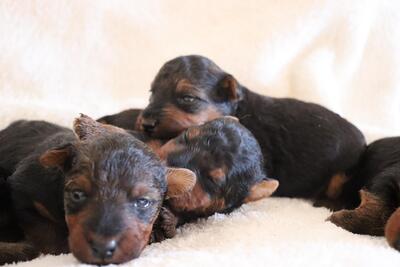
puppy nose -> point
(103, 250)
(149, 124)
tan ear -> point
(56, 157)
(261, 190)
(85, 128)
(229, 88)
(180, 181)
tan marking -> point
(180, 181)
(176, 121)
(369, 218)
(77, 240)
(197, 201)
(230, 85)
(183, 86)
(193, 132)
(54, 157)
(131, 241)
(169, 147)
(392, 229)
(43, 211)
(261, 190)
(81, 182)
(85, 127)
(335, 186)
(218, 175)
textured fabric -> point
(59, 58)
(270, 232)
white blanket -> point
(59, 58)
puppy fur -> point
(96, 191)
(311, 150)
(379, 199)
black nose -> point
(103, 250)
(149, 124)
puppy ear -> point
(61, 157)
(86, 128)
(180, 181)
(263, 189)
(229, 88)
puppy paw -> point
(392, 230)
(342, 218)
(15, 252)
(165, 226)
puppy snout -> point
(149, 124)
(103, 249)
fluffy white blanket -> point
(271, 232)
(59, 58)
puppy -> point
(228, 164)
(378, 212)
(95, 192)
(308, 148)
(229, 168)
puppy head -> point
(114, 188)
(188, 91)
(228, 163)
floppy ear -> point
(61, 157)
(263, 189)
(180, 181)
(229, 88)
(86, 128)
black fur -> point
(378, 176)
(222, 143)
(125, 119)
(219, 144)
(303, 144)
(112, 163)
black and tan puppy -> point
(95, 192)
(378, 212)
(228, 164)
(308, 148)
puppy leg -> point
(165, 226)
(369, 218)
(392, 230)
(14, 252)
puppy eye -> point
(141, 203)
(188, 98)
(77, 196)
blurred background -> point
(59, 58)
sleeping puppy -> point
(378, 212)
(228, 164)
(95, 191)
(229, 168)
(308, 148)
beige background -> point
(100, 56)
(62, 57)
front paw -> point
(16, 252)
(165, 226)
